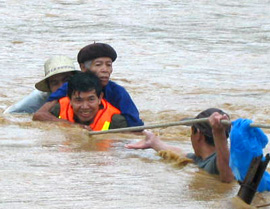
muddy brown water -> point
(176, 58)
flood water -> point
(176, 58)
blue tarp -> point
(246, 143)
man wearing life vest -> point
(85, 105)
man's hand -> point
(215, 122)
(146, 143)
(154, 142)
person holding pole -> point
(209, 142)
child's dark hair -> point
(83, 82)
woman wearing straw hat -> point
(57, 70)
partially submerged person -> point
(84, 105)
(209, 142)
(98, 58)
(57, 70)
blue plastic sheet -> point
(247, 143)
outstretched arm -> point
(44, 114)
(221, 145)
(154, 142)
(29, 104)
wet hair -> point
(83, 82)
(205, 128)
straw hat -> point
(53, 66)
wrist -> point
(158, 145)
(218, 132)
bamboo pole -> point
(164, 125)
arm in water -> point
(29, 104)
(44, 114)
(152, 141)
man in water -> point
(98, 58)
(84, 105)
(57, 70)
(209, 142)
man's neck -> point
(206, 151)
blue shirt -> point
(117, 96)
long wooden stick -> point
(140, 128)
(164, 125)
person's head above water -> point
(85, 93)
(57, 71)
(97, 58)
(205, 128)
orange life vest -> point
(102, 119)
